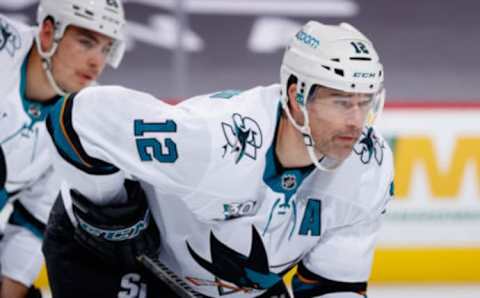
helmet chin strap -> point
(322, 162)
(47, 64)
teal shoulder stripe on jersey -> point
(57, 132)
(67, 142)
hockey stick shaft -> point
(175, 283)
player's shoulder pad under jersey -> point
(372, 158)
(67, 141)
(12, 37)
(381, 154)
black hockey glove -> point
(117, 233)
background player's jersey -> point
(232, 221)
(24, 143)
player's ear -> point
(47, 33)
(292, 95)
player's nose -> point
(96, 60)
(356, 118)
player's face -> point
(336, 120)
(80, 58)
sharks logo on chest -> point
(9, 38)
(243, 136)
(235, 272)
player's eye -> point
(342, 103)
(86, 42)
(366, 104)
(106, 49)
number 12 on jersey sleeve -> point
(152, 148)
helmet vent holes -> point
(371, 86)
(335, 59)
(89, 12)
(353, 86)
(380, 73)
(339, 72)
(76, 7)
(326, 67)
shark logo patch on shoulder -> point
(10, 40)
(369, 146)
(243, 136)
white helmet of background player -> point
(337, 57)
(103, 16)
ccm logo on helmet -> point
(112, 3)
(308, 39)
(364, 75)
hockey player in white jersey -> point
(39, 65)
(276, 191)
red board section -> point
(435, 105)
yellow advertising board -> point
(432, 228)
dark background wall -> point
(430, 48)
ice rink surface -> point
(424, 291)
(418, 291)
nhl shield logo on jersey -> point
(289, 182)
(9, 38)
(35, 110)
(369, 146)
(243, 137)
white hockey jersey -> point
(232, 221)
(26, 166)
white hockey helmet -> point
(103, 16)
(334, 56)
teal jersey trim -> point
(226, 94)
(21, 221)
(67, 142)
(37, 111)
(22, 217)
(265, 281)
(58, 135)
(281, 180)
(3, 198)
